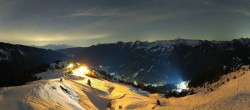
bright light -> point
(182, 86)
(70, 65)
(135, 83)
(81, 71)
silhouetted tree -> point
(109, 105)
(234, 77)
(192, 92)
(89, 82)
(120, 107)
(158, 102)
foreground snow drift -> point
(53, 95)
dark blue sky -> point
(88, 22)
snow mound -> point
(54, 95)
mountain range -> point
(169, 61)
(165, 61)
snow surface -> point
(73, 93)
(4, 55)
(21, 52)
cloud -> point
(95, 12)
(242, 12)
(116, 20)
(33, 22)
(123, 12)
(43, 38)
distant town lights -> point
(182, 86)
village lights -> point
(182, 86)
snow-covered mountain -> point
(17, 62)
(168, 60)
(55, 47)
(74, 93)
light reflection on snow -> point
(81, 71)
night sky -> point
(89, 22)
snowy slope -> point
(74, 94)
(233, 95)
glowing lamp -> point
(83, 70)
(70, 65)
